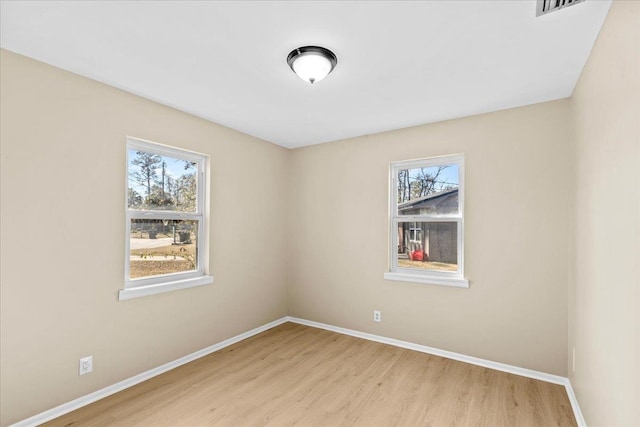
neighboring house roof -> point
(443, 202)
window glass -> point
(158, 182)
(162, 247)
(428, 190)
(428, 245)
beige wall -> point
(63, 171)
(517, 225)
(605, 293)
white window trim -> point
(455, 279)
(169, 282)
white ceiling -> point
(400, 63)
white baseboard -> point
(437, 352)
(529, 373)
(129, 382)
(574, 405)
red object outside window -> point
(417, 256)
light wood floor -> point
(297, 375)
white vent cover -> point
(545, 6)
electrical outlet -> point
(86, 365)
(377, 316)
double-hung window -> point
(166, 223)
(426, 221)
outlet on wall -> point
(86, 365)
(377, 316)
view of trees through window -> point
(427, 194)
(161, 183)
(166, 244)
(420, 182)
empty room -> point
(320, 213)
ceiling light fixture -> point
(312, 63)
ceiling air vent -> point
(546, 6)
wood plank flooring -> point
(302, 376)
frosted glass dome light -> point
(312, 63)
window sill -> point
(429, 280)
(141, 291)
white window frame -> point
(445, 278)
(134, 288)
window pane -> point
(162, 247)
(428, 245)
(428, 191)
(161, 182)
